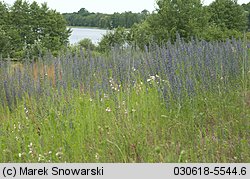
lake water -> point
(80, 33)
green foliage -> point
(187, 18)
(83, 12)
(4, 20)
(247, 10)
(3, 13)
(140, 35)
(28, 29)
(127, 107)
(217, 33)
(227, 14)
(87, 44)
(3, 40)
(108, 21)
(116, 38)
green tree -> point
(4, 38)
(247, 10)
(3, 13)
(140, 35)
(9, 36)
(214, 32)
(186, 17)
(20, 20)
(83, 12)
(109, 21)
(3, 27)
(104, 22)
(227, 14)
(54, 31)
(116, 38)
(29, 28)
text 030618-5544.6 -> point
(230, 171)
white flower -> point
(108, 109)
(30, 145)
(97, 156)
(152, 78)
(26, 110)
(58, 154)
(106, 96)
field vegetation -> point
(173, 88)
(181, 102)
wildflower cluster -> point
(177, 70)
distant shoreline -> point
(86, 27)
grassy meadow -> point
(181, 102)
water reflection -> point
(80, 33)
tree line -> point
(28, 29)
(186, 19)
(107, 21)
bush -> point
(118, 37)
(217, 33)
(87, 44)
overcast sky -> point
(104, 6)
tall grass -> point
(182, 102)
